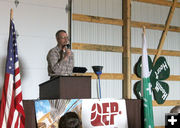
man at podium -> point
(60, 58)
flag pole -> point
(147, 95)
(11, 13)
(144, 32)
(144, 29)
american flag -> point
(12, 111)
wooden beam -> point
(154, 52)
(163, 37)
(171, 77)
(170, 53)
(126, 40)
(109, 76)
(159, 2)
(95, 47)
(110, 48)
(96, 19)
(134, 77)
(153, 26)
(168, 103)
(119, 76)
(159, 126)
(88, 18)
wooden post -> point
(163, 37)
(126, 37)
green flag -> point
(146, 88)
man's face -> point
(62, 39)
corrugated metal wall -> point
(95, 33)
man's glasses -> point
(64, 37)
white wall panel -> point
(109, 89)
(111, 62)
(152, 38)
(5, 13)
(93, 33)
(103, 8)
(3, 53)
(31, 78)
(153, 13)
(149, 12)
(159, 114)
(44, 21)
(31, 45)
(45, 3)
(172, 41)
(173, 64)
(174, 90)
(176, 17)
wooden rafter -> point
(163, 37)
(105, 76)
(159, 126)
(160, 2)
(112, 21)
(153, 26)
(171, 77)
(96, 47)
(168, 103)
(120, 76)
(97, 19)
(110, 48)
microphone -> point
(68, 46)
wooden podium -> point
(66, 87)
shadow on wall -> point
(2, 72)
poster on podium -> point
(93, 113)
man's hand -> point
(67, 53)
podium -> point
(66, 87)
